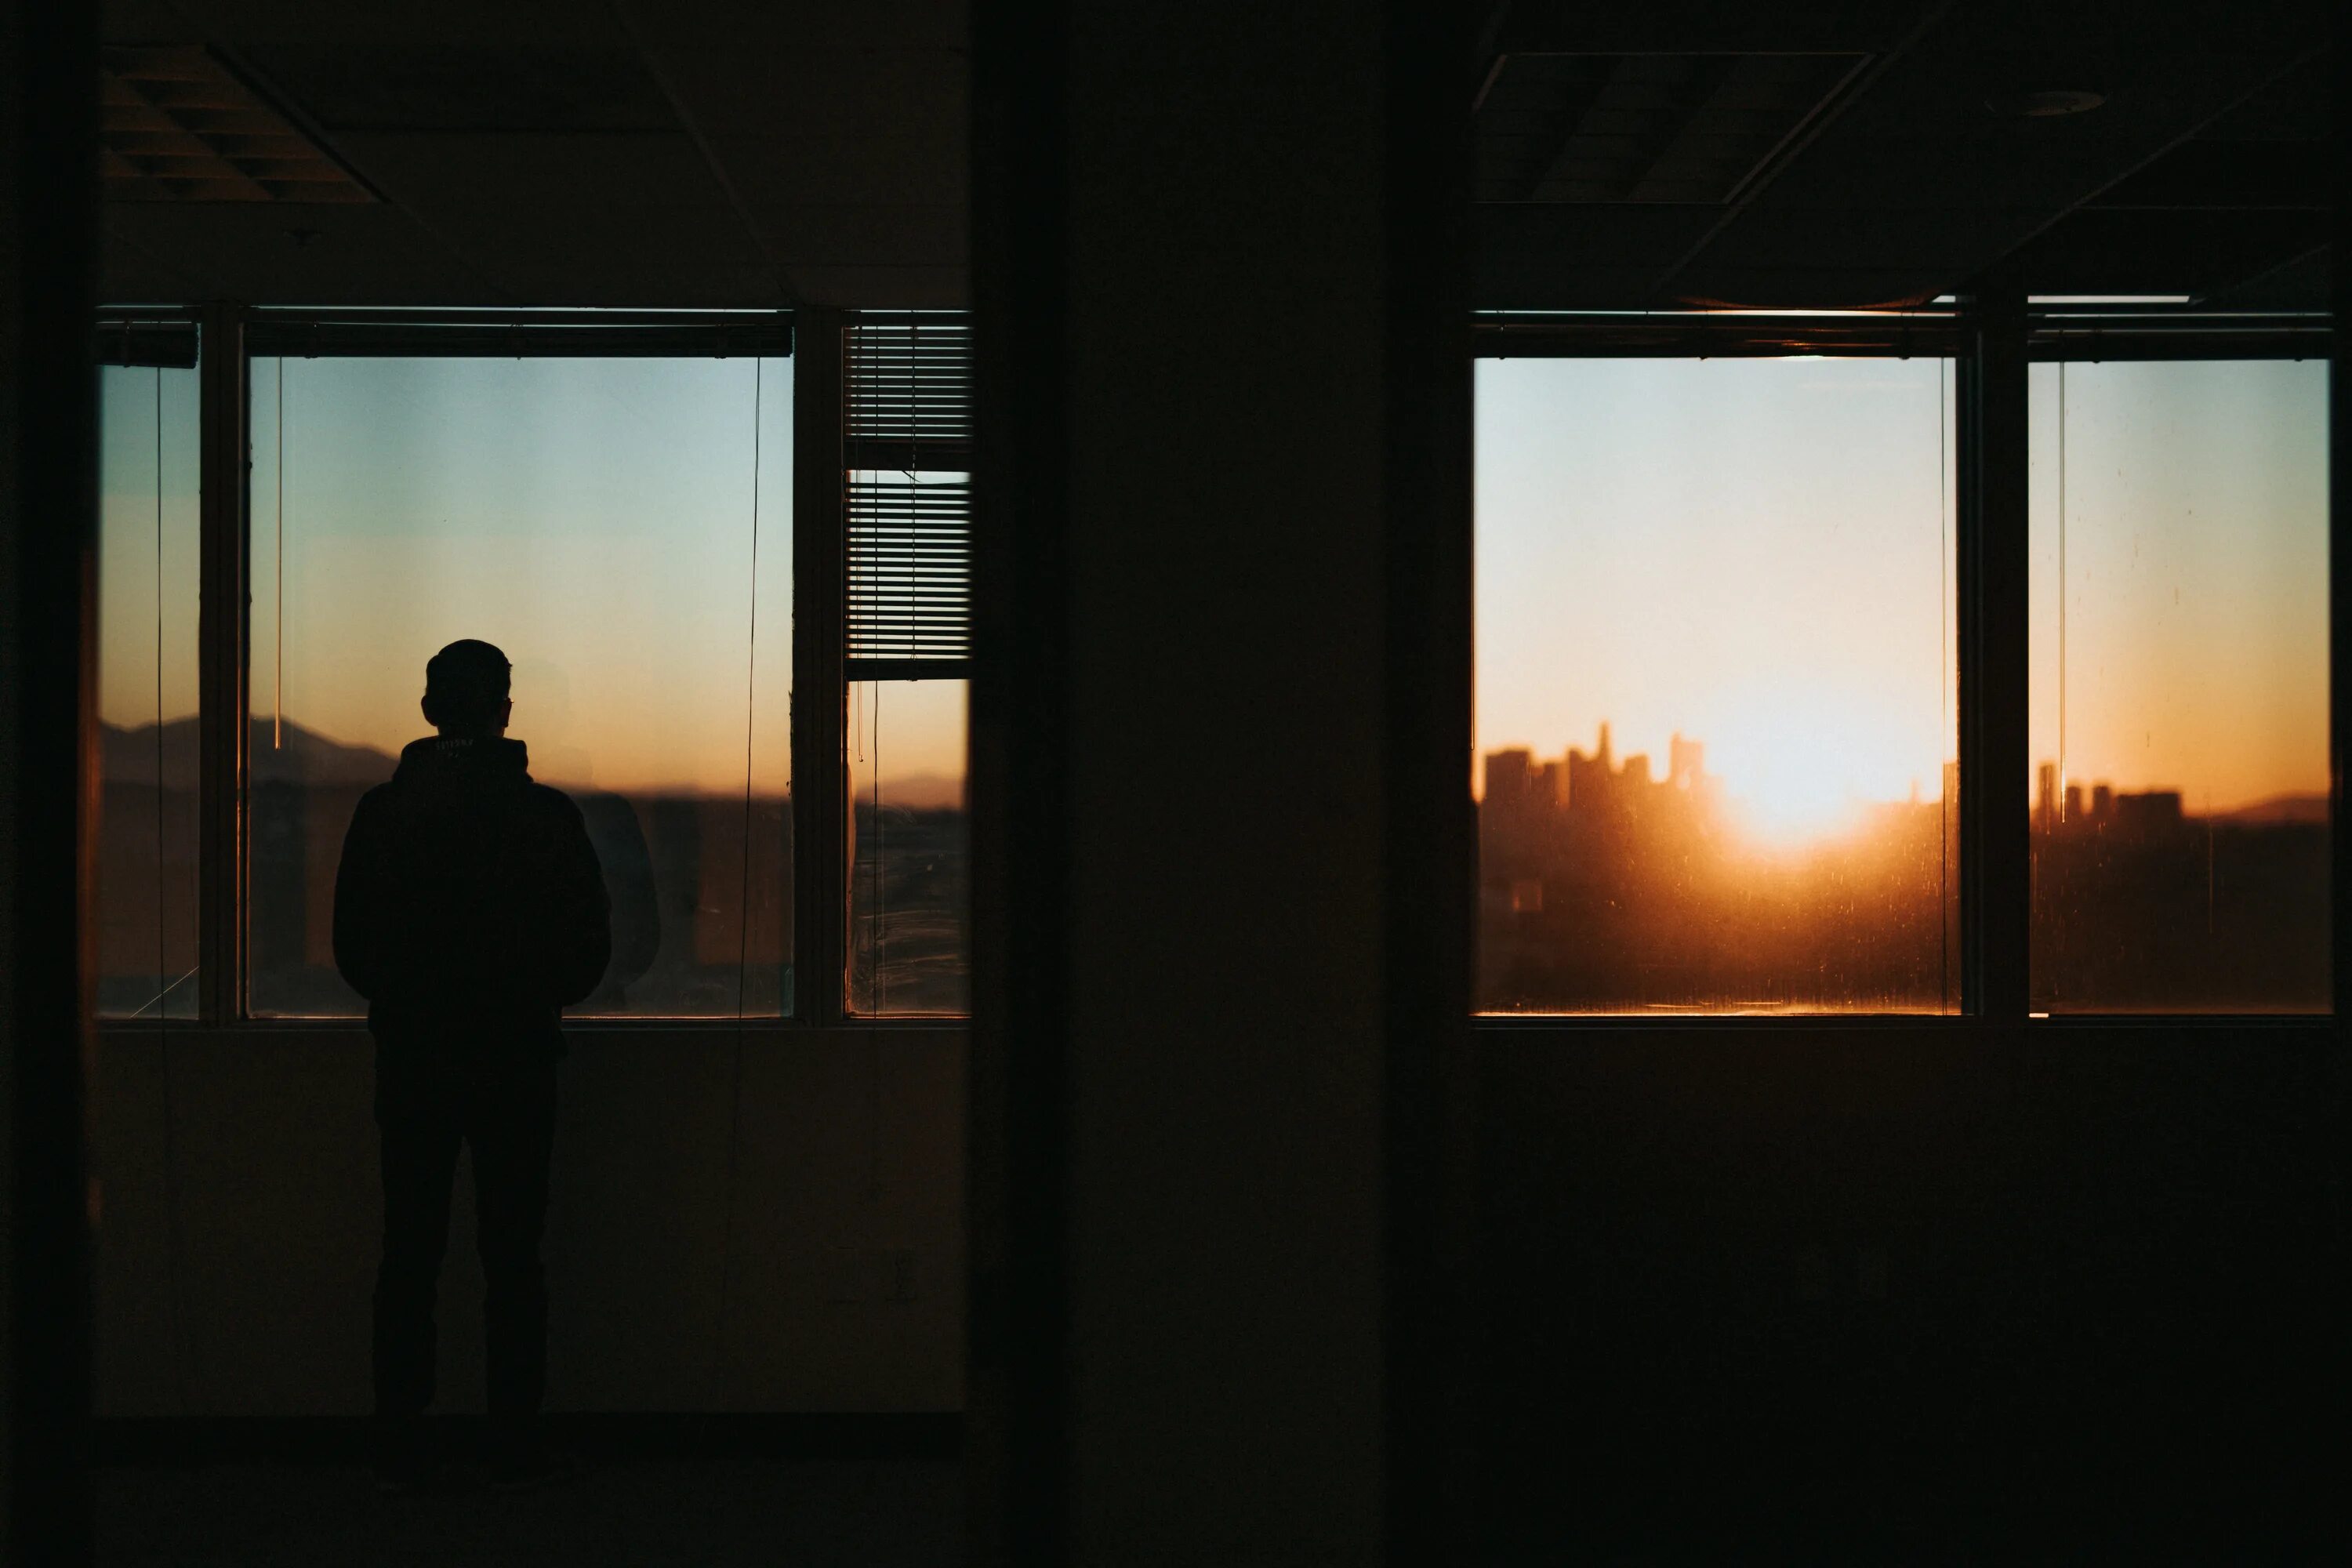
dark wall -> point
(764, 1223)
(47, 514)
(1221, 442)
(1916, 1287)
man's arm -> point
(582, 911)
(359, 895)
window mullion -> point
(1996, 846)
(221, 665)
(820, 695)
(2339, 620)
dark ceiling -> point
(1895, 163)
(647, 152)
(709, 153)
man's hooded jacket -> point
(470, 903)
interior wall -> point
(2078, 1285)
(1222, 305)
(768, 1222)
(48, 475)
(12, 390)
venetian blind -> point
(907, 462)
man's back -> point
(470, 897)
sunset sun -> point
(1792, 808)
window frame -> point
(947, 449)
(233, 335)
(1991, 335)
(171, 337)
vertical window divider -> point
(1994, 559)
(223, 621)
(820, 691)
(2340, 601)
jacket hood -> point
(437, 756)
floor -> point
(646, 1513)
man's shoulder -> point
(376, 797)
(551, 802)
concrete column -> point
(47, 526)
(1223, 605)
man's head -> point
(465, 690)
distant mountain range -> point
(2279, 811)
(305, 756)
(297, 757)
(917, 791)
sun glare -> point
(1791, 810)
(1797, 776)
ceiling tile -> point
(833, 96)
(265, 254)
(772, 28)
(866, 236)
(425, 84)
(618, 169)
(875, 171)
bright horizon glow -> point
(132, 603)
(591, 517)
(2107, 299)
(1749, 553)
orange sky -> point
(1756, 554)
(592, 517)
(1752, 552)
(2195, 599)
(1748, 552)
(129, 610)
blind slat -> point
(907, 409)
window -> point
(1714, 754)
(2180, 802)
(150, 778)
(1716, 687)
(609, 496)
(909, 849)
(621, 527)
(906, 442)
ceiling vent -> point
(176, 126)
(1651, 128)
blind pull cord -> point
(751, 692)
(1943, 685)
(163, 957)
(278, 618)
(731, 1168)
(2065, 590)
(180, 1357)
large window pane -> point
(2180, 692)
(147, 599)
(909, 853)
(594, 519)
(1714, 691)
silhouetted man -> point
(469, 909)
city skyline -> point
(593, 517)
(1758, 550)
(1752, 551)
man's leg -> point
(420, 1161)
(513, 1134)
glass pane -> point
(909, 848)
(2181, 693)
(1714, 693)
(148, 584)
(594, 518)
